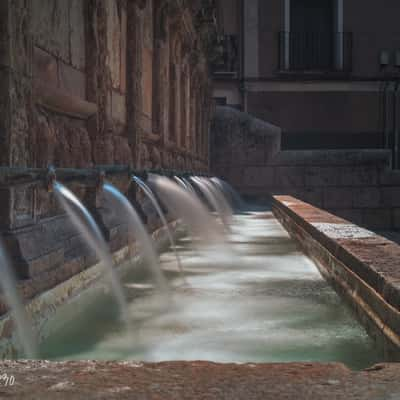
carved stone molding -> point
(57, 100)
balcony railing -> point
(315, 52)
(227, 61)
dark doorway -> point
(311, 34)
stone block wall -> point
(358, 185)
(86, 83)
(44, 246)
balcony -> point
(226, 63)
(315, 52)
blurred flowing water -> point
(124, 207)
(269, 303)
(150, 195)
(213, 199)
(183, 203)
(92, 236)
(9, 291)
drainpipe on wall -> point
(395, 126)
(389, 119)
(242, 72)
(383, 92)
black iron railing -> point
(315, 51)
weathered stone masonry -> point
(86, 83)
(101, 82)
(360, 265)
(358, 185)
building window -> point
(311, 34)
(313, 39)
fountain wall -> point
(104, 82)
(86, 83)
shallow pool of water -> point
(261, 300)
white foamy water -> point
(268, 303)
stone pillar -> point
(175, 60)
(193, 117)
(134, 78)
(5, 72)
(156, 108)
(172, 103)
(184, 108)
(199, 125)
(98, 82)
(209, 112)
(116, 65)
(16, 142)
(161, 70)
(164, 92)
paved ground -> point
(197, 380)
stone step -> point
(375, 157)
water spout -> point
(181, 182)
(9, 288)
(183, 203)
(229, 191)
(93, 237)
(211, 199)
(208, 195)
(219, 194)
(120, 202)
(150, 195)
(189, 186)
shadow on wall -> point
(355, 184)
(241, 147)
(239, 139)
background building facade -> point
(318, 81)
(324, 71)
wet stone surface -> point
(378, 255)
(343, 231)
(197, 380)
(362, 265)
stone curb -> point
(360, 265)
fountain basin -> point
(262, 301)
(269, 304)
